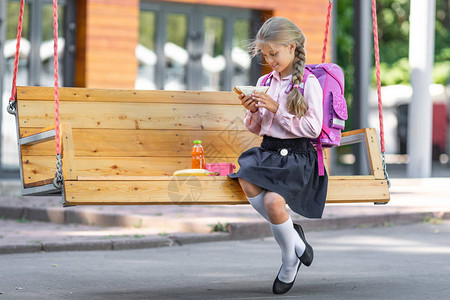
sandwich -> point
(249, 89)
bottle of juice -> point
(198, 156)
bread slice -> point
(249, 89)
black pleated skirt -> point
(289, 168)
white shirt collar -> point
(277, 76)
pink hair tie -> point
(291, 87)
(298, 85)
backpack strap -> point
(325, 129)
(267, 78)
(320, 159)
(306, 74)
(300, 86)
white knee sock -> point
(258, 203)
(291, 245)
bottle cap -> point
(197, 142)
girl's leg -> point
(255, 196)
(250, 189)
(286, 236)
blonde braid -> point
(296, 103)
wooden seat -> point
(122, 146)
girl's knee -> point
(250, 189)
(274, 201)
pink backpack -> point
(331, 79)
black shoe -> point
(307, 256)
(279, 287)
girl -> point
(284, 169)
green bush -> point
(441, 72)
(399, 73)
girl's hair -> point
(281, 31)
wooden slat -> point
(374, 153)
(38, 169)
(111, 8)
(39, 183)
(136, 166)
(132, 115)
(352, 177)
(152, 143)
(67, 152)
(348, 189)
(149, 178)
(176, 190)
(115, 95)
(202, 190)
(353, 132)
(113, 59)
(39, 130)
(120, 45)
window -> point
(241, 59)
(146, 51)
(194, 47)
(176, 52)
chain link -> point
(386, 175)
(58, 181)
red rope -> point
(377, 66)
(327, 27)
(16, 58)
(55, 59)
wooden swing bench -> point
(122, 147)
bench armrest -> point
(67, 152)
(44, 135)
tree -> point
(393, 31)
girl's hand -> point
(248, 103)
(264, 100)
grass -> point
(219, 227)
(112, 236)
(34, 242)
(139, 224)
(433, 220)
(23, 220)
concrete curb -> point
(193, 238)
(237, 231)
(117, 244)
(86, 217)
(242, 231)
(20, 248)
(373, 220)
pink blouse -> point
(282, 124)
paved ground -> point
(388, 262)
(40, 223)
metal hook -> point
(12, 107)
